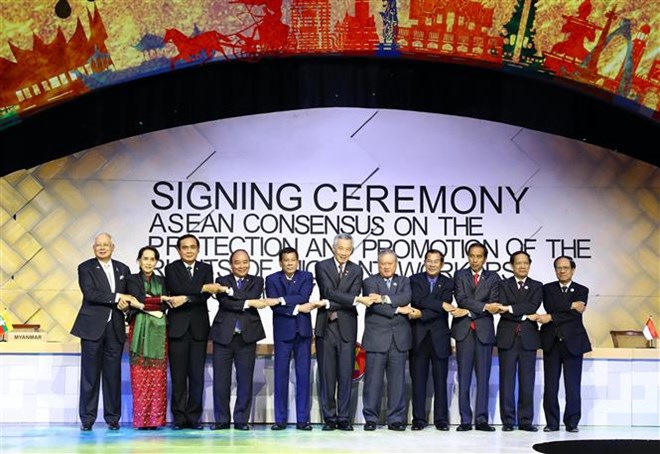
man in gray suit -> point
(387, 339)
(339, 282)
(477, 295)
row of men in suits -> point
(405, 319)
(408, 319)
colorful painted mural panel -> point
(55, 50)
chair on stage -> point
(629, 339)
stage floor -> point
(59, 438)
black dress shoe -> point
(241, 426)
(278, 426)
(398, 426)
(329, 426)
(85, 427)
(220, 426)
(304, 426)
(113, 426)
(463, 427)
(573, 429)
(345, 426)
(507, 428)
(443, 426)
(550, 429)
(484, 427)
(370, 426)
(197, 426)
(528, 428)
(417, 426)
(178, 427)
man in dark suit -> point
(517, 342)
(100, 327)
(477, 295)
(188, 330)
(432, 294)
(565, 341)
(340, 282)
(236, 330)
(292, 332)
(387, 339)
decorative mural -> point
(54, 50)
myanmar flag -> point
(5, 324)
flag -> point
(649, 330)
(5, 324)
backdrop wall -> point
(398, 179)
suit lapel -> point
(520, 294)
(284, 282)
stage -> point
(67, 438)
(41, 385)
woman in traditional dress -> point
(147, 339)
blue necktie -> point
(237, 326)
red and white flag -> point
(649, 330)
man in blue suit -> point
(477, 295)
(292, 331)
(100, 327)
(432, 294)
(517, 342)
(387, 339)
(565, 341)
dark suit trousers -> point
(553, 361)
(336, 361)
(243, 355)
(517, 361)
(187, 357)
(421, 357)
(471, 355)
(100, 360)
(301, 350)
(393, 364)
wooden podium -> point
(27, 333)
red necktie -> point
(473, 327)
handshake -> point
(493, 308)
(129, 301)
(372, 298)
(305, 308)
(309, 306)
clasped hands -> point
(127, 301)
(372, 298)
(308, 307)
(493, 308)
(180, 300)
(578, 306)
(375, 298)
